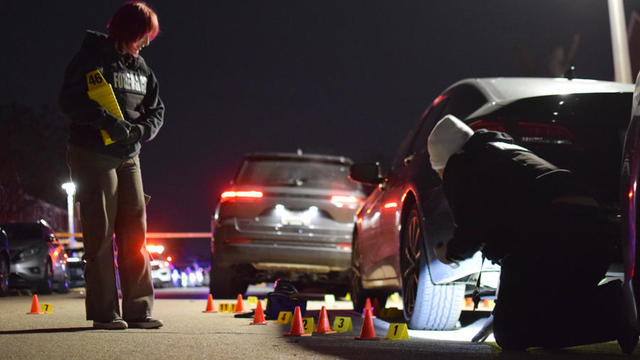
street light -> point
(70, 189)
(619, 42)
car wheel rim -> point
(410, 258)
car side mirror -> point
(368, 173)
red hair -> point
(131, 23)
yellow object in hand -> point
(101, 92)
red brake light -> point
(544, 133)
(247, 194)
(169, 259)
(391, 205)
(530, 132)
(439, 99)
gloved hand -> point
(135, 133)
(119, 130)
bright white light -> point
(156, 249)
(69, 188)
(308, 215)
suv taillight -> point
(530, 132)
(245, 194)
(541, 133)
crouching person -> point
(547, 232)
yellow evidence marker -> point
(309, 325)
(226, 307)
(397, 331)
(284, 317)
(101, 92)
(342, 324)
(253, 300)
(46, 308)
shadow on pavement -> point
(42, 331)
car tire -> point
(45, 285)
(359, 294)
(223, 285)
(426, 305)
(4, 274)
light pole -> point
(619, 42)
(70, 189)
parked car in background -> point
(4, 263)
(75, 267)
(630, 176)
(574, 124)
(38, 261)
(285, 215)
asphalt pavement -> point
(191, 334)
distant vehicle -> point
(574, 124)
(38, 261)
(630, 176)
(161, 273)
(288, 216)
(75, 267)
(161, 266)
(5, 264)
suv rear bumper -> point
(292, 248)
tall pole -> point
(70, 189)
(619, 42)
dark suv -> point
(285, 215)
(575, 124)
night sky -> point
(338, 77)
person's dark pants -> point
(548, 295)
(112, 201)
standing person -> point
(548, 233)
(108, 177)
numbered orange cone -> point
(35, 307)
(297, 328)
(367, 332)
(323, 323)
(239, 307)
(258, 317)
(209, 308)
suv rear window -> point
(301, 173)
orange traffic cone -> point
(367, 332)
(210, 308)
(35, 307)
(239, 307)
(258, 317)
(323, 323)
(367, 306)
(297, 328)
